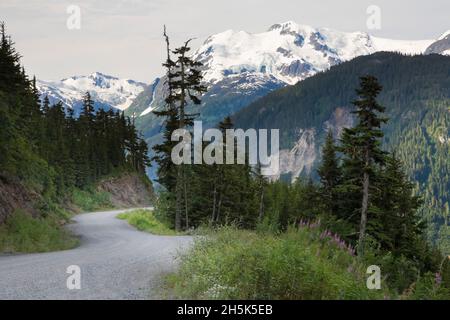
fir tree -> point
(330, 175)
(184, 86)
(362, 144)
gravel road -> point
(116, 262)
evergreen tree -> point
(184, 86)
(261, 184)
(330, 175)
(166, 168)
(362, 144)
(400, 226)
(11, 77)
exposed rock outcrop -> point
(129, 190)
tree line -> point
(49, 148)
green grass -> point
(298, 264)
(91, 200)
(144, 220)
(23, 234)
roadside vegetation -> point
(144, 220)
(304, 263)
(297, 264)
(22, 233)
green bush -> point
(23, 233)
(299, 264)
(144, 220)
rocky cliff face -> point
(128, 191)
(302, 158)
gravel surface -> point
(116, 262)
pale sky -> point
(123, 37)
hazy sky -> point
(123, 37)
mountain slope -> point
(417, 97)
(107, 91)
(240, 67)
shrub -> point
(302, 263)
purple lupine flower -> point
(438, 278)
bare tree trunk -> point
(178, 200)
(261, 206)
(213, 216)
(364, 207)
(186, 211)
(218, 208)
(180, 179)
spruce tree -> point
(184, 86)
(362, 147)
(330, 175)
(401, 227)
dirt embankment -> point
(128, 190)
(14, 195)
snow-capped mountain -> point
(286, 53)
(291, 52)
(441, 46)
(241, 67)
(107, 91)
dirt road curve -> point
(116, 262)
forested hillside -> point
(416, 94)
(47, 155)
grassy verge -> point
(299, 264)
(23, 234)
(144, 220)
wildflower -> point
(438, 278)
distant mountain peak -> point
(290, 52)
(446, 34)
(108, 91)
(290, 27)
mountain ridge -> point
(107, 91)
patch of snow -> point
(150, 107)
(444, 35)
